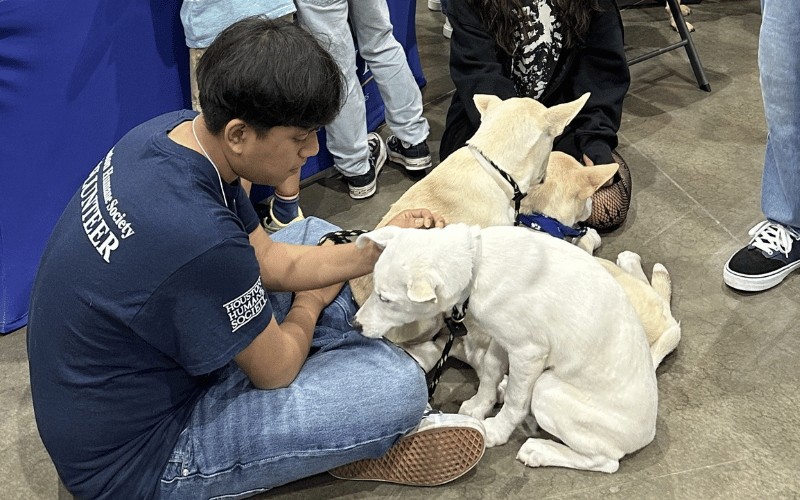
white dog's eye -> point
(382, 298)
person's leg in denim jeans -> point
(347, 134)
(774, 250)
(353, 399)
(779, 66)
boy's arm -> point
(277, 354)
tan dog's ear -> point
(484, 102)
(422, 290)
(592, 178)
(560, 115)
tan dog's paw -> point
(629, 262)
(685, 11)
(589, 242)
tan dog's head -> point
(420, 274)
(566, 193)
(517, 134)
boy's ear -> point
(235, 134)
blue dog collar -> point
(549, 225)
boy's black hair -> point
(268, 73)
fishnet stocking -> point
(610, 203)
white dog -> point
(516, 136)
(578, 357)
(564, 199)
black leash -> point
(341, 237)
(456, 328)
(518, 195)
(455, 322)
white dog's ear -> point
(379, 236)
(422, 290)
(484, 102)
(560, 115)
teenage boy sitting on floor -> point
(168, 359)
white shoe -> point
(435, 5)
(447, 29)
(443, 447)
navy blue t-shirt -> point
(147, 285)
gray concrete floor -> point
(728, 421)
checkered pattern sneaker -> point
(412, 157)
(772, 254)
(364, 185)
(442, 448)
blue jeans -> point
(327, 20)
(353, 399)
(779, 66)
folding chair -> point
(686, 41)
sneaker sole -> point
(359, 193)
(759, 282)
(365, 191)
(411, 163)
(426, 458)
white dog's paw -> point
(529, 455)
(590, 241)
(497, 433)
(476, 408)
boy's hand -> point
(417, 218)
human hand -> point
(321, 297)
(417, 218)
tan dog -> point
(685, 11)
(565, 195)
(517, 136)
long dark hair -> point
(502, 17)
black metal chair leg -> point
(691, 51)
(686, 41)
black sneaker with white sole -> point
(412, 157)
(364, 185)
(772, 254)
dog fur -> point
(565, 195)
(460, 189)
(578, 356)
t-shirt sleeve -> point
(210, 309)
(246, 212)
